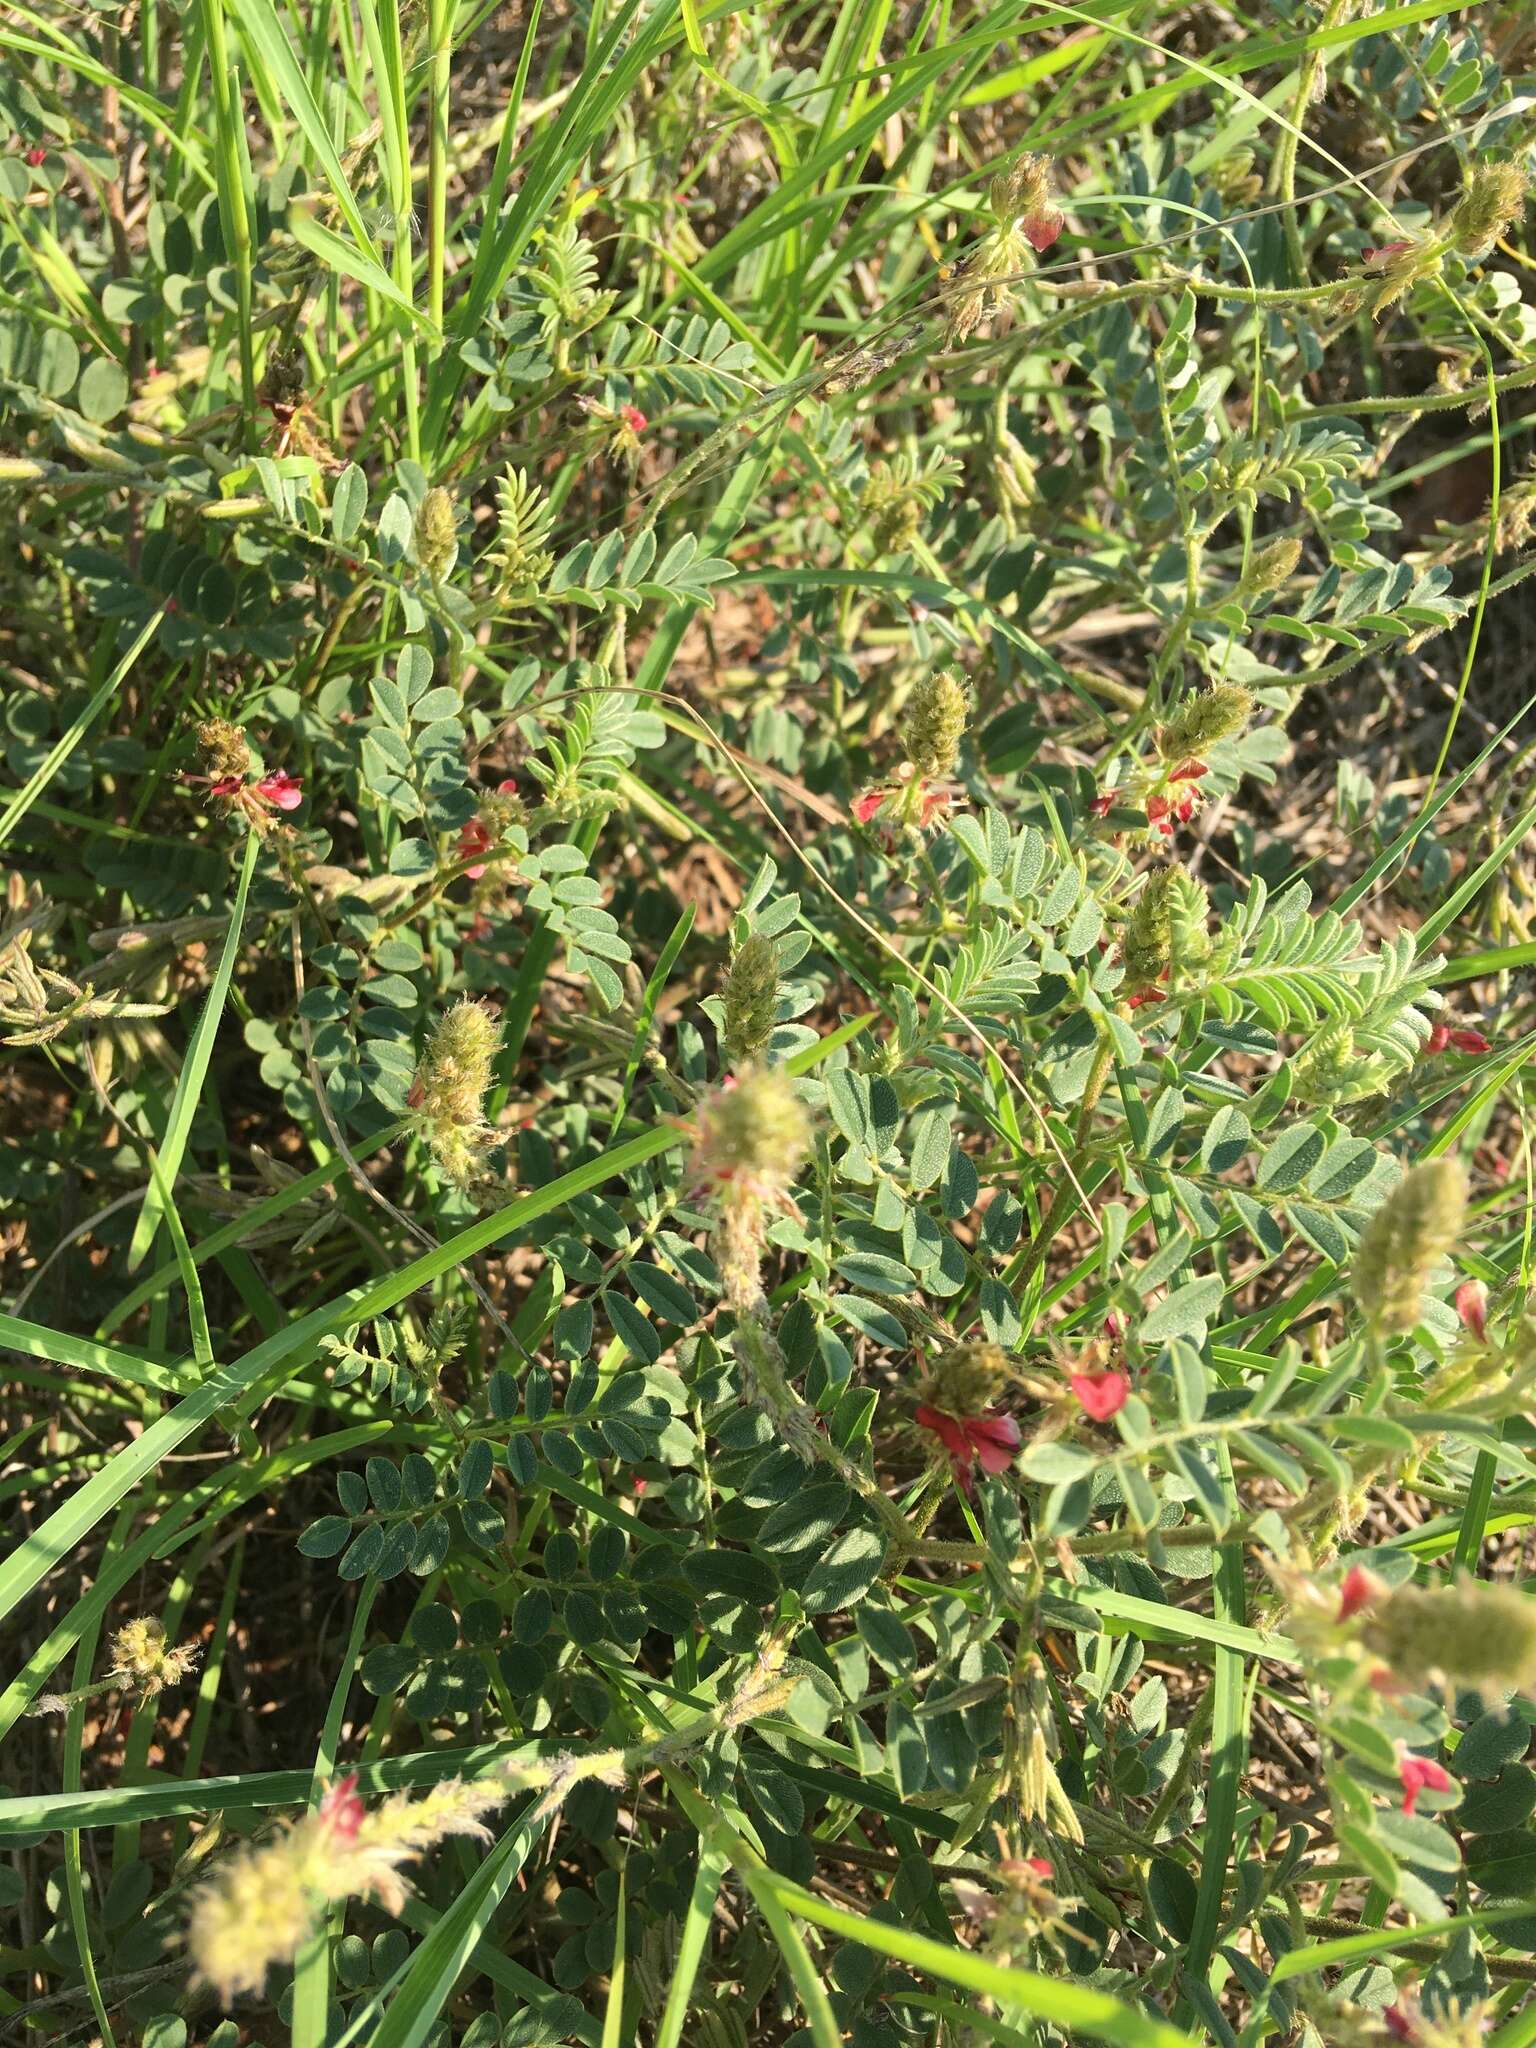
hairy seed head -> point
(225, 754)
(1468, 1633)
(1492, 200)
(437, 537)
(1405, 1240)
(1271, 568)
(144, 1661)
(1219, 713)
(449, 1089)
(967, 1378)
(750, 996)
(934, 724)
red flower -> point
(474, 840)
(1472, 1307)
(633, 418)
(284, 792)
(1398, 2023)
(1114, 1328)
(971, 1440)
(1421, 1774)
(1040, 230)
(278, 791)
(1377, 257)
(931, 801)
(1464, 1040)
(36, 156)
(1041, 1866)
(341, 1810)
(1103, 803)
(1358, 1590)
(1102, 1394)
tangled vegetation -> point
(766, 1231)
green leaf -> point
(734, 1573)
(1186, 1309)
(349, 502)
(1290, 1159)
(103, 389)
(326, 1537)
(663, 1295)
(849, 1568)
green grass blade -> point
(442, 1958)
(194, 1072)
(66, 744)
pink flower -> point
(1358, 1590)
(1377, 257)
(865, 806)
(284, 792)
(1041, 1866)
(226, 786)
(633, 418)
(1101, 1394)
(1472, 1307)
(1399, 2023)
(1421, 1774)
(1114, 1328)
(1040, 230)
(986, 1440)
(36, 156)
(341, 1810)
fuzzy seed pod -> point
(1219, 713)
(1468, 1633)
(1146, 945)
(750, 996)
(967, 1378)
(437, 538)
(1405, 1240)
(282, 381)
(1271, 568)
(1022, 193)
(752, 1133)
(225, 754)
(1493, 199)
(258, 1907)
(934, 724)
(449, 1088)
(749, 1141)
(144, 1662)
(1189, 911)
